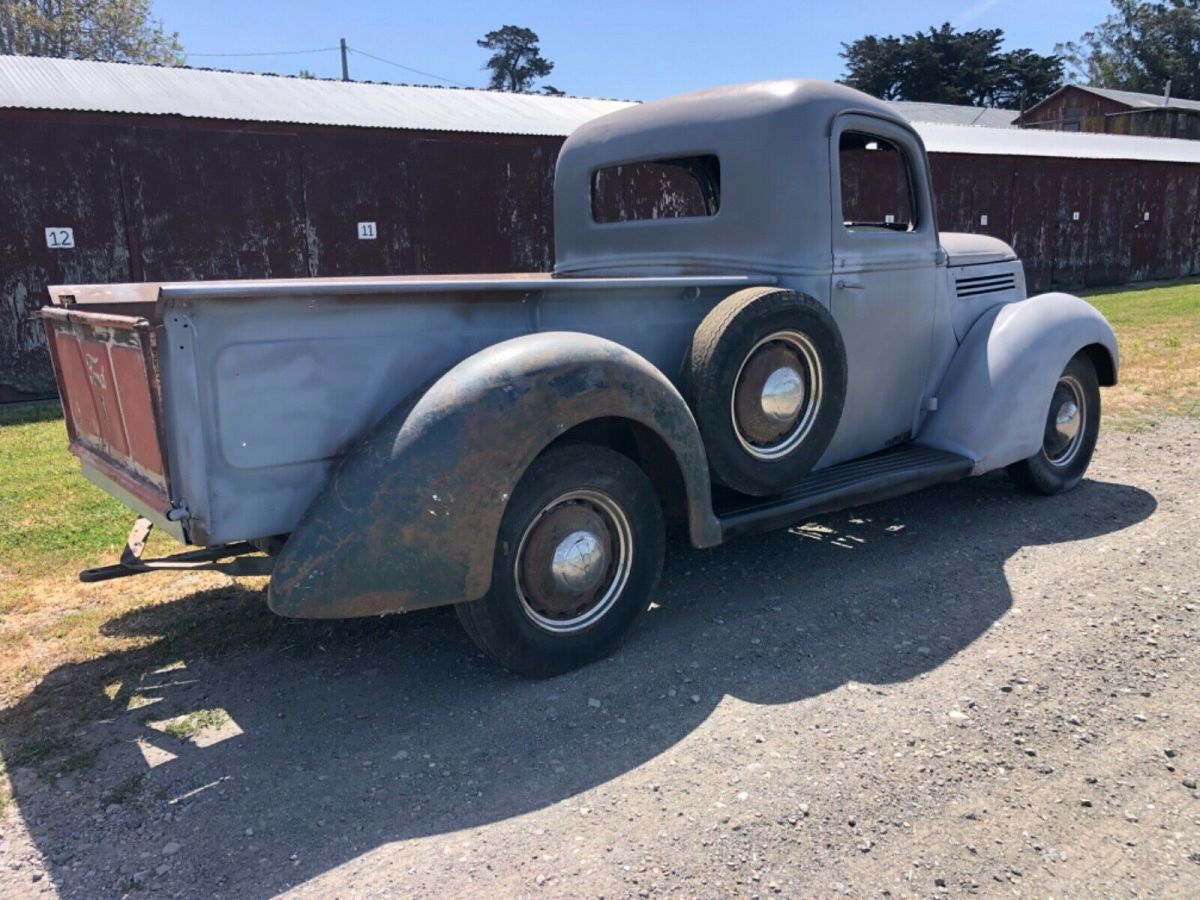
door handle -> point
(844, 285)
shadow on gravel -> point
(344, 736)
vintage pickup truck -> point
(752, 319)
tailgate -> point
(108, 380)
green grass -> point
(125, 792)
(53, 523)
(51, 756)
(184, 727)
(50, 517)
(1158, 328)
(38, 752)
(1149, 304)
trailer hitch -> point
(231, 559)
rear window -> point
(657, 189)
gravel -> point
(966, 691)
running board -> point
(880, 477)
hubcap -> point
(1065, 422)
(777, 394)
(579, 562)
(573, 561)
(783, 394)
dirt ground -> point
(965, 691)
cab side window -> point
(877, 184)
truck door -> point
(884, 282)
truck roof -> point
(771, 140)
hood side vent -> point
(985, 284)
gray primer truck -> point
(752, 319)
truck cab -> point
(821, 186)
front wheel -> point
(1069, 438)
(579, 552)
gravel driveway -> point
(964, 691)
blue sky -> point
(634, 49)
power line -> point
(408, 68)
(276, 53)
(387, 62)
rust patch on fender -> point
(410, 517)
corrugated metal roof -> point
(43, 83)
(949, 114)
(1141, 101)
(1060, 144)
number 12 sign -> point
(60, 238)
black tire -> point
(523, 623)
(752, 330)
(1060, 464)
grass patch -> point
(51, 755)
(38, 752)
(53, 523)
(1158, 327)
(50, 517)
(128, 790)
(190, 725)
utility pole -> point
(345, 63)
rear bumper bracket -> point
(231, 559)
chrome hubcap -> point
(1065, 422)
(782, 394)
(573, 561)
(777, 394)
(579, 562)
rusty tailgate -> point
(107, 375)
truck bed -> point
(217, 409)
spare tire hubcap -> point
(782, 394)
(777, 394)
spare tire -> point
(766, 379)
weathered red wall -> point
(160, 198)
(1031, 201)
(165, 199)
(1072, 103)
(1078, 110)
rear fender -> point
(409, 519)
(995, 396)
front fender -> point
(410, 518)
(995, 396)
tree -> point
(1140, 46)
(516, 60)
(1027, 77)
(109, 30)
(307, 73)
(946, 66)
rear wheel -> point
(1069, 437)
(579, 552)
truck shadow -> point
(336, 738)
